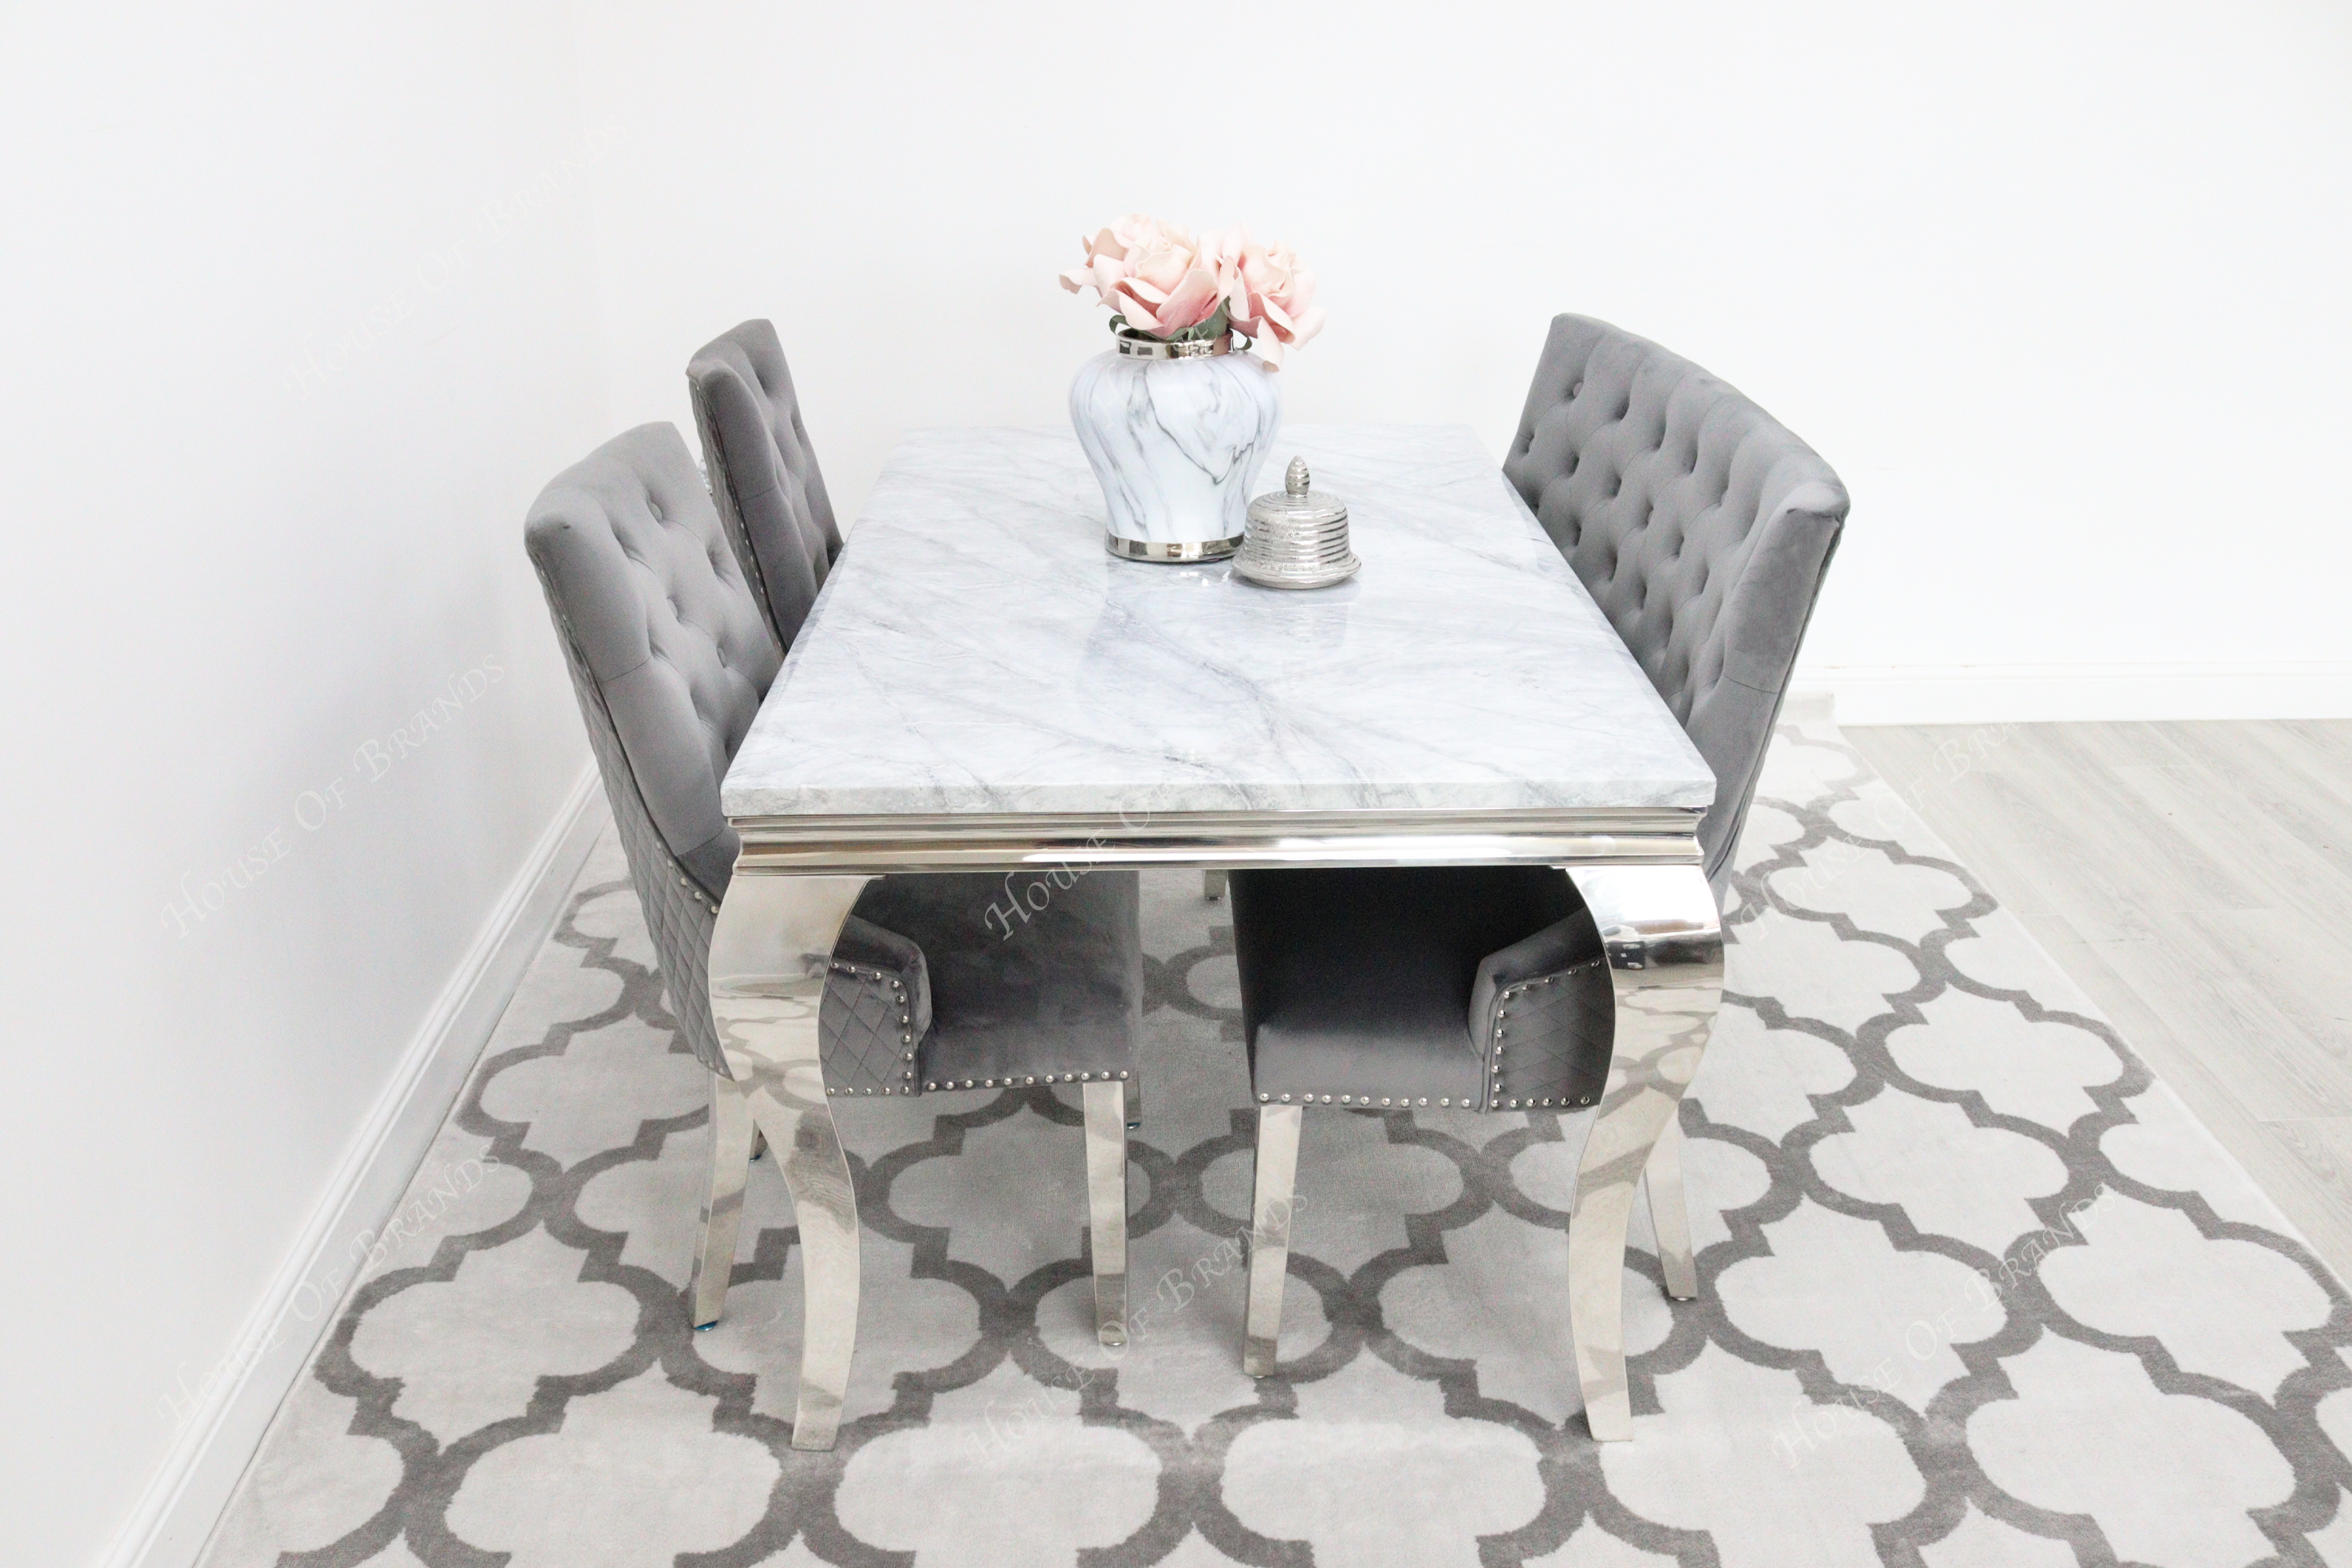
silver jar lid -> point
(1295, 537)
(1297, 504)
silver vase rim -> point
(1135, 345)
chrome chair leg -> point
(1213, 885)
(1663, 939)
(1271, 1202)
(1107, 1206)
(770, 953)
(1133, 1087)
(731, 1135)
(1668, 1216)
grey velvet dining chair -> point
(763, 472)
(1703, 529)
(670, 655)
(770, 495)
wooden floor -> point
(2196, 879)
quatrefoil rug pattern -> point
(1976, 1291)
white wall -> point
(2060, 290)
(295, 311)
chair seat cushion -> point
(1359, 983)
(1034, 976)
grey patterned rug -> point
(1978, 1290)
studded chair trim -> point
(1544, 1014)
(763, 472)
(1701, 525)
(678, 913)
(877, 1011)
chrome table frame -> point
(797, 878)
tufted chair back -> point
(763, 472)
(669, 658)
(1702, 527)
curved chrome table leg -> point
(1276, 1178)
(769, 955)
(731, 1135)
(1669, 1215)
(1664, 938)
(1107, 1206)
(1132, 1086)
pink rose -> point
(1268, 295)
(1152, 273)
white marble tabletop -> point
(977, 651)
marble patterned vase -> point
(1175, 433)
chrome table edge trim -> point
(967, 841)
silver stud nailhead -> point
(1384, 1100)
(1285, 1100)
(1268, 1100)
(928, 1083)
(1327, 1098)
(1122, 1073)
(1029, 1081)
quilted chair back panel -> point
(1701, 525)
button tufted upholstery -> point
(670, 657)
(1699, 523)
(763, 472)
(1703, 530)
(650, 590)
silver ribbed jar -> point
(1296, 537)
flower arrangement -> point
(1162, 283)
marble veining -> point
(1176, 444)
(975, 652)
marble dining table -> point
(982, 686)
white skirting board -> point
(2052, 693)
(176, 1514)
